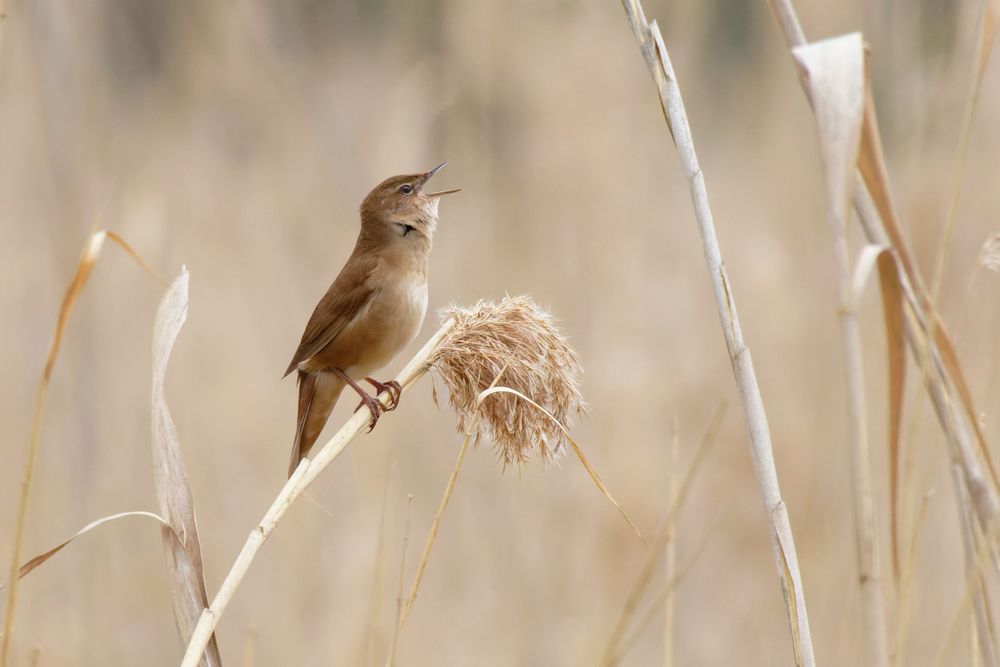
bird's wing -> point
(350, 294)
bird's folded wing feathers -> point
(349, 295)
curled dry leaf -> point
(187, 576)
(863, 269)
(518, 337)
(834, 71)
(34, 562)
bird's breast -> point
(410, 307)
(392, 322)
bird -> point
(374, 308)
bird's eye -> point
(406, 189)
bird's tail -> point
(318, 393)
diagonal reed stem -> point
(293, 489)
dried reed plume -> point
(519, 339)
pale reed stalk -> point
(920, 331)
(786, 559)
(670, 557)
(834, 69)
(293, 489)
(874, 624)
(976, 489)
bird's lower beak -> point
(443, 192)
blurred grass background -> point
(239, 138)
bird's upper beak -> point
(431, 173)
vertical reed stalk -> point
(869, 567)
(402, 577)
(930, 345)
(834, 70)
(988, 26)
(670, 555)
(377, 572)
(658, 61)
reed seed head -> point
(520, 339)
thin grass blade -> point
(613, 649)
(42, 557)
(88, 257)
(576, 448)
(871, 164)
(988, 24)
(892, 312)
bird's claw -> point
(394, 388)
(374, 407)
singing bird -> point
(373, 309)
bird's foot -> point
(394, 388)
(374, 407)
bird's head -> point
(400, 205)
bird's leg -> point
(374, 407)
(393, 387)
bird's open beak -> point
(431, 173)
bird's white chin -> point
(431, 207)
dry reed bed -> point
(511, 377)
(910, 313)
(835, 78)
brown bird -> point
(373, 309)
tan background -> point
(238, 139)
